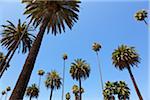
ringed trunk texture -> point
(63, 81)
(134, 83)
(26, 72)
(80, 89)
(51, 94)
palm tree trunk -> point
(6, 96)
(39, 82)
(100, 72)
(76, 96)
(145, 22)
(80, 89)
(1, 97)
(12, 52)
(134, 83)
(30, 98)
(51, 94)
(63, 81)
(24, 77)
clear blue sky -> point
(110, 23)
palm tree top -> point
(124, 57)
(57, 13)
(41, 72)
(79, 69)
(8, 88)
(96, 47)
(68, 96)
(75, 89)
(65, 56)
(32, 91)
(53, 80)
(3, 92)
(141, 15)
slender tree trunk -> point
(1, 97)
(100, 72)
(76, 96)
(51, 94)
(39, 82)
(134, 83)
(6, 96)
(30, 98)
(145, 22)
(63, 81)
(11, 52)
(80, 89)
(25, 74)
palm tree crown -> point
(141, 15)
(124, 57)
(8, 88)
(79, 69)
(32, 91)
(3, 92)
(65, 56)
(96, 47)
(57, 13)
(41, 72)
(12, 33)
(2, 57)
(68, 96)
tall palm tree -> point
(96, 47)
(65, 57)
(53, 81)
(141, 15)
(3, 93)
(54, 15)
(40, 73)
(14, 37)
(32, 91)
(123, 90)
(68, 96)
(2, 57)
(7, 90)
(123, 58)
(80, 70)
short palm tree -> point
(75, 90)
(53, 81)
(122, 90)
(68, 96)
(7, 90)
(40, 73)
(2, 57)
(123, 58)
(96, 47)
(3, 93)
(32, 91)
(80, 70)
(141, 15)
(14, 37)
(65, 57)
(51, 15)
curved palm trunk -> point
(80, 89)
(63, 81)
(100, 72)
(51, 94)
(24, 77)
(134, 83)
(11, 52)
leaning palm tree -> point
(7, 90)
(141, 15)
(3, 93)
(14, 37)
(68, 96)
(65, 57)
(40, 73)
(80, 70)
(2, 57)
(50, 15)
(96, 47)
(53, 81)
(123, 58)
(123, 91)
(32, 91)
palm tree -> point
(122, 90)
(65, 57)
(14, 37)
(7, 90)
(2, 57)
(3, 93)
(123, 58)
(80, 70)
(40, 73)
(50, 15)
(68, 96)
(32, 91)
(96, 47)
(141, 15)
(53, 81)
(75, 90)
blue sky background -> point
(109, 23)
